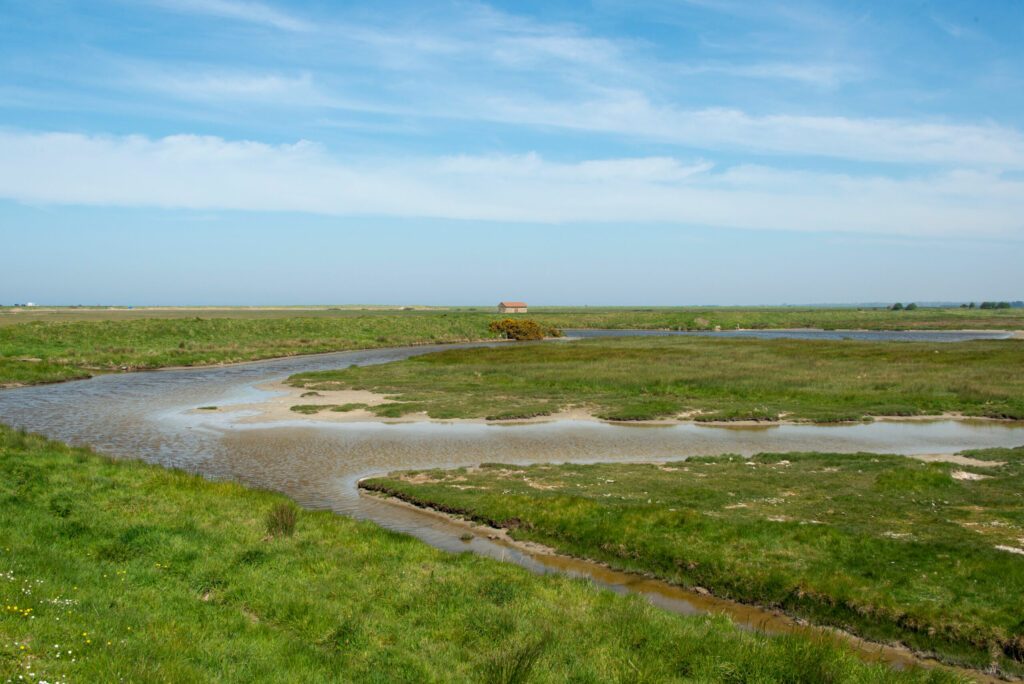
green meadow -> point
(50, 345)
(930, 555)
(46, 351)
(699, 378)
(122, 571)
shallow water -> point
(152, 416)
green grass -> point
(722, 379)
(53, 351)
(309, 409)
(726, 317)
(52, 345)
(345, 408)
(121, 571)
(621, 317)
(885, 546)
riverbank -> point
(121, 570)
(674, 379)
(926, 554)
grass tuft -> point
(281, 520)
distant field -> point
(121, 571)
(11, 316)
(47, 345)
(699, 378)
(705, 318)
(683, 318)
(885, 546)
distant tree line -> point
(898, 306)
(994, 305)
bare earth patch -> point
(1010, 549)
(958, 460)
(964, 475)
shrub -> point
(911, 307)
(281, 520)
(896, 307)
(522, 329)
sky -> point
(658, 152)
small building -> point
(512, 307)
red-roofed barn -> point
(512, 307)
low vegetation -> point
(310, 409)
(895, 549)
(729, 318)
(122, 571)
(49, 352)
(52, 345)
(700, 378)
(522, 329)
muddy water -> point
(153, 416)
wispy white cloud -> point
(820, 74)
(490, 66)
(622, 112)
(954, 29)
(195, 84)
(631, 113)
(209, 173)
(238, 10)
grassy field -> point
(121, 571)
(885, 546)
(667, 318)
(723, 379)
(707, 318)
(50, 345)
(52, 351)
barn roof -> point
(516, 305)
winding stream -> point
(152, 416)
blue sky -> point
(649, 152)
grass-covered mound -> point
(121, 571)
(930, 554)
(701, 378)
